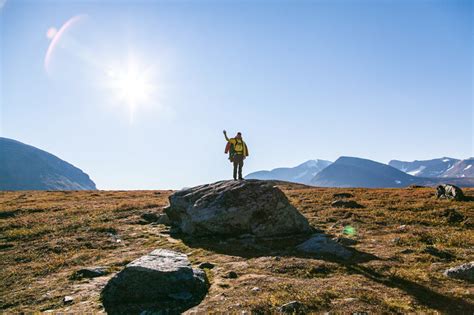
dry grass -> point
(46, 236)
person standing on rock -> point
(238, 151)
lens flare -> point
(52, 31)
(349, 230)
(56, 37)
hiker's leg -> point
(241, 165)
(236, 164)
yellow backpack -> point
(239, 146)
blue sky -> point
(300, 79)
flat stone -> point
(463, 272)
(90, 272)
(323, 244)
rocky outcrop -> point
(323, 244)
(449, 192)
(234, 208)
(463, 272)
(162, 281)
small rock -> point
(293, 307)
(351, 204)
(231, 275)
(90, 272)
(402, 228)
(68, 299)
(343, 195)
(448, 191)
(255, 289)
(396, 240)
(463, 272)
(206, 265)
(149, 217)
(323, 244)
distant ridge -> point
(24, 167)
(301, 174)
(463, 168)
(426, 168)
(357, 172)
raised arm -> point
(225, 135)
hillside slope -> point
(357, 172)
(463, 168)
(24, 167)
(302, 173)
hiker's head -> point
(239, 135)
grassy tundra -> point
(46, 236)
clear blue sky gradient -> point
(300, 79)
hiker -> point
(238, 151)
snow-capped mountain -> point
(426, 168)
(463, 168)
(302, 173)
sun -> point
(131, 85)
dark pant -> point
(238, 164)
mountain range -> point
(24, 167)
(302, 173)
(442, 167)
(357, 172)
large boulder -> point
(448, 191)
(234, 208)
(162, 281)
